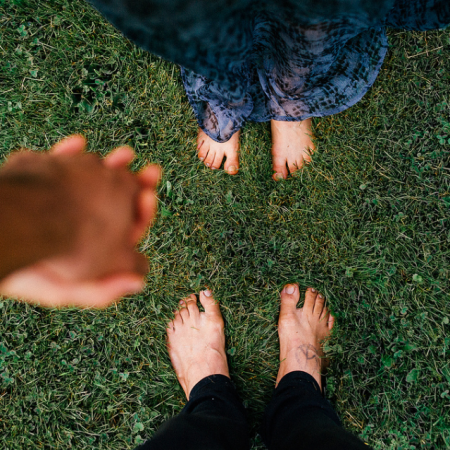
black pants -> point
(298, 417)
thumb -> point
(106, 291)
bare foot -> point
(212, 152)
(301, 332)
(196, 341)
(292, 146)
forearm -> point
(31, 227)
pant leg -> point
(300, 418)
(213, 419)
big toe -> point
(232, 164)
(208, 302)
(289, 298)
(279, 168)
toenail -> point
(320, 296)
(213, 168)
(181, 302)
(232, 169)
(208, 165)
(313, 290)
(290, 290)
(201, 159)
(208, 293)
(279, 176)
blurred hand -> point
(107, 208)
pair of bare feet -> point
(291, 149)
(196, 340)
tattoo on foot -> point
(309, 352)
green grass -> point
(367, 223)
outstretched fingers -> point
(71, 145)
(150, 176)
(120, 157)
(147, 202)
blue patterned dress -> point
(259, 60)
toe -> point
(289, 298)
(310, 298)
(203, 152)
(300, 163)
(208, 302)
(232, 164)
(293, 167)
(325, 319)
(306, 156)
(330, 321)
(318, 305)
(177, 320)
(184, 312)
(303, 158)
(209, 158)
(324, 315)
(218, 158)
(279, 168)
(191, 304)
(170, 327)
(201, 135)
(202, 144)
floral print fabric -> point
(262, 60)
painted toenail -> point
(279, 176)
(213, 168)
(208, 165)
(181, 302)
(232, 169)
(313, 290)
(320, 296)
(201, 159)
(290, 290)
(207, 293)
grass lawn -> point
(367, 223)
